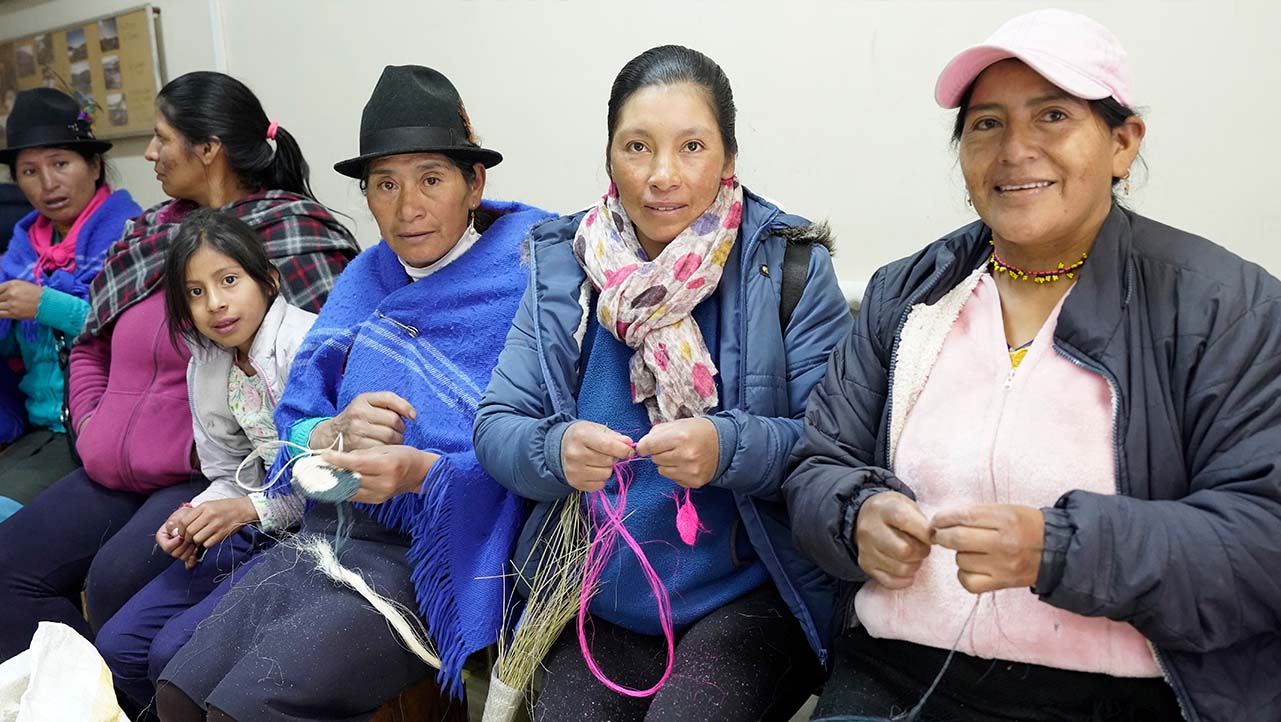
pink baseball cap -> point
(1068, 49)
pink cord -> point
(271, 130)
(598, 554)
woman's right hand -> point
(372, 419)
(588, 452)
(893, 538)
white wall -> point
(836, 117)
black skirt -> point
(288, 644)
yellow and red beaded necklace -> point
(1018, 274)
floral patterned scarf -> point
(646, 304)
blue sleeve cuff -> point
(62, 311)
(551, 449)
(300, 433)
(727, 438)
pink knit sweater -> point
(982, 433)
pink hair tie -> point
(271, 130)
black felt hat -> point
(45, 118)
(414, 110)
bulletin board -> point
(110, 64)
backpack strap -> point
(795, 272)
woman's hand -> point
(172, 536)
(998, 546)
(375, 418)
(19, 300)
(893, 538)
(385, 471)
(686, 451)
(588, 452)
(216, 520)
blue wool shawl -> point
(435, 343)
(97, 234)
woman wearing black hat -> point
(391, 371)
(128, 387)
(56, 251)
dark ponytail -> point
(205, 106)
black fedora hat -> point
(44, 118)
(414, 110)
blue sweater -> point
(721, 566)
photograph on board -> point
(26, 59)
(44, 49)
(111, 72)
(82, 78)
(108, 37)
(76, 48)
(117, 113)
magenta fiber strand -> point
(598, 553)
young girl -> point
(221, 294)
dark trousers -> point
(874, 679)
(75, 530)
(34, 462)
(143, 636)
(747, 660)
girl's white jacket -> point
(220, 442)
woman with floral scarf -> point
(652, 329)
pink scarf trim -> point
(50, 256)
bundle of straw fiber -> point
(553, 602)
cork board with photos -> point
(110, 64)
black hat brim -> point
(355, 167)
(93, 145)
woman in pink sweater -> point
(215, 148)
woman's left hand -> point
(686, 451)
(998, 546)
(19, 300)
(385, 471)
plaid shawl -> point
(306, 243)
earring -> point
(1127, 182)
(969, 201)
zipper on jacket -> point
(1117, 455)
(266, 382)
(889, 375)
(413, 332)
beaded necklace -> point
(1018, 274)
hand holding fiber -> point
(385, 471)
(171, 537)
(893, 538)
(371, 419)
(998, 546)
(687, 451)
(588, 452)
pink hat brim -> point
(965, 67)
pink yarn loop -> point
(598, 553)
(271, 130)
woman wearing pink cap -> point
(1052, 441)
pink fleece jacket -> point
(129, 402)
(981, 432)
